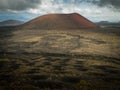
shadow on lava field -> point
(60, 59)
(59, 71)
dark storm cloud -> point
(18, 4)
(105, 3)
(114, 3)
(102, 3)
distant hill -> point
(109, 24)
(11, 23)
(60, 21)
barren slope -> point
(59, 21)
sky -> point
(94, 10)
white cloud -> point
(89, 10)
(92, 12)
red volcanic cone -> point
(59, 21)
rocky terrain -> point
(59, 59)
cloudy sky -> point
(95, 10)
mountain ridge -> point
(11, 23)
(59, 21)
